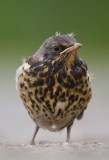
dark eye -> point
(56, 48)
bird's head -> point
(58, 48)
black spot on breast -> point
(85, 82)
(76, 75)
(42, 99)
(40, 90)
(79, 63)
(72, 98)
(44, 74)
(56, 99)
(84, 71)
(47, 103)
(47, 81)
(21, 75)
(74, 107)
(32, 101)
(52, 82)
(66, 108)
(59, 112)
(82, 86)
(26, 72)
(36, 111)
(76, 97)
(35, 64)
(89, 89)
(82, 100)
(36, 91)
(40, 68)
(31, 111)
(81, 81)
(32, 73)
(39, 82)
(24, 99)
(49, 106)
(80, 90)
(28, 80)
(37, 99)
(23, 95)
(87, 85)
(70, 81)
(62, 82)
(63, 73)
(63, 95)
(25, 88)
(51, 94)
(46, 115)
(84, 93)
(21, 85)
(32, 106)
(72, 113)
(54, 104)
(77, 84)
(59, 89)
(56, 67)
(72, 67)
(88, 99)
(67, 92)
(37, 107)
(29, 93)
(76, 89)
(43, 110)
(80, 106)
(45, 91)
(45, 107)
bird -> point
(54, 84)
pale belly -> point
(55, 119)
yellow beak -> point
(72, 49)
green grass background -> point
(25, 24)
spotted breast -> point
(54, 96)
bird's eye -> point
(56, 48)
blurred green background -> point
(25, 24)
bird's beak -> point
(72, 49)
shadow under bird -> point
(54, 84)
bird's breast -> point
(53, 98)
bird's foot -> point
(32, 143)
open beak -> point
(72, 49)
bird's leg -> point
(68, 132)
(34, 135)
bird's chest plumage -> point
(54, 97)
